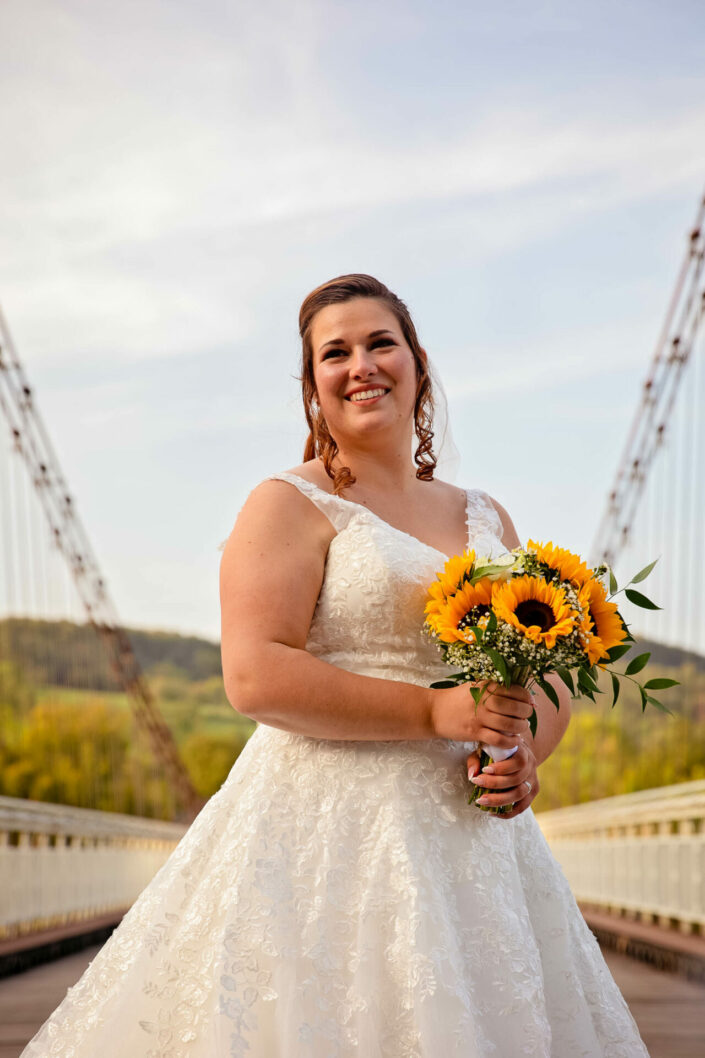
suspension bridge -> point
(100, 772)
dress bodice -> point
(370, 610)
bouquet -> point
(533, 611)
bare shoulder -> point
(314, 472)
(510, 537)
(276, 513)
(277, 549)
(443, 492)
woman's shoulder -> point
(503, 524)
(477, 498)
(274, 507)
(299, 497)
(312, 472)
(292, 488)
(485, 509)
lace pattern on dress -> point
(337, 510)
(485, 527)
(340, 898)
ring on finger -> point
(529, 787)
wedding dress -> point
(341, 898)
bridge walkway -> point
(667, 1007)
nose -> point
(362, 362)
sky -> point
(176, 177)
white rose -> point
(503, 567)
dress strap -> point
(484, 524)
(336, 510)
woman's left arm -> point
(515, 780)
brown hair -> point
(319, 442)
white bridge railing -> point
(640, 854)
(59, 864)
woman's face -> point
(365, 372)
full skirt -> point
(339, 899)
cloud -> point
(163, 163)
(176, 176)
(556, 362)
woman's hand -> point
(501, 717)
(507, 782)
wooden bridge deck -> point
(669, 1009)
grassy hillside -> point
(67, 734)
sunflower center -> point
(533, 612)
(473, 616)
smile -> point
(366, 396)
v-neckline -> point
(383, 521)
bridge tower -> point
(31, 443)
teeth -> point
(367, 393)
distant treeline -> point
(67, 733)
(66, 654)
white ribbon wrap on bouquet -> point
(498, 754)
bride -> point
(338, 896)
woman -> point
(338, 896)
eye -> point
(332, 352)
(380, 343)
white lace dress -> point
(339, 899)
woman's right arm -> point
(270, 577)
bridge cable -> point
(32, 442)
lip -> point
(370, 400)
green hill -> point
(67, 654)
(67, 733)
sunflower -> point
(605, 629)
(567, 565)
(470, 605)
(456, 571)
(538, 609)
(437, 599)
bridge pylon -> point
(647, 434)
(31, 442)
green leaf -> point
(585, 681)
(643, 573)
(615, 653)
(615, 689)
(637, 664)
(533, 722)
(614, 587)
(549, 691)
(492, 622)
(661, 684)
(659, 705)
(640, 600)
(485, 571)
(477, 632)
(444, 683)
(567, 679)
(477, 693)
(586, 685)
(499, 663)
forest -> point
(67, 733)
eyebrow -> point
(341, 341)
